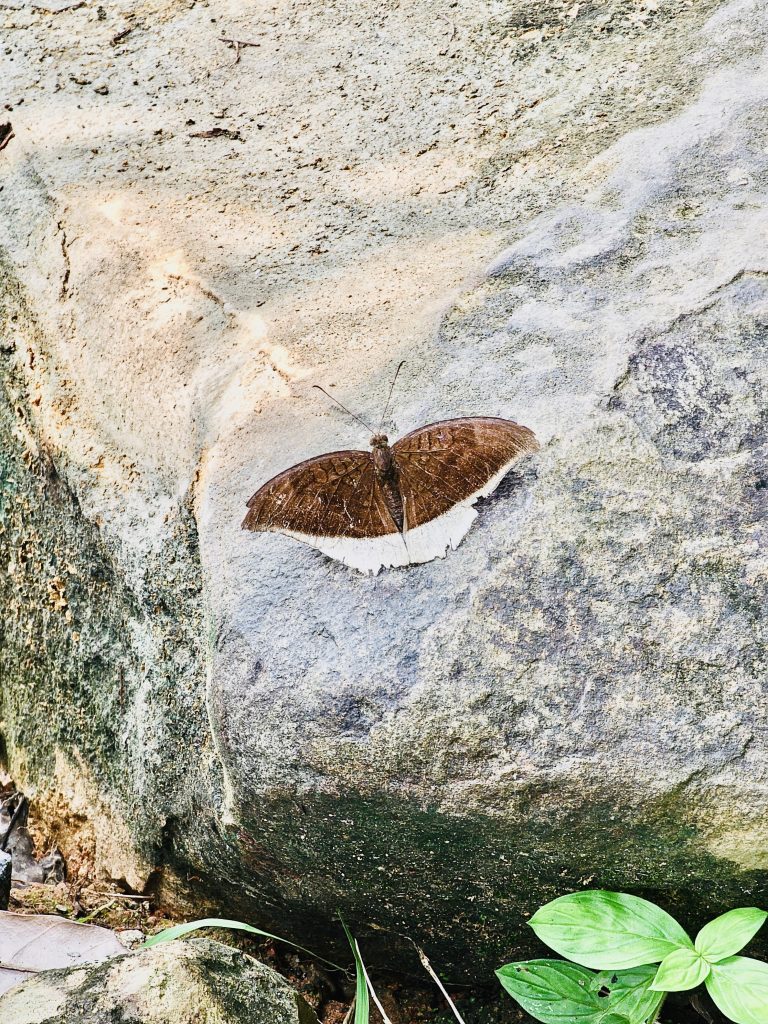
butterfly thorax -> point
(386, 474)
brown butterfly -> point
(395, 505)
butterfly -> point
(394, 505)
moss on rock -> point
(193, 982)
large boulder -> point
(192, 982)
(576, 696)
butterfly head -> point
(379, 441)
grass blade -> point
(362, 1006)
(363, 985)
(179, 930)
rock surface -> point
(574, 697)
(192, 982)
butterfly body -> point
(395, 505)
(385, 469)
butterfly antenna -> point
(341, 406)
(389, 397)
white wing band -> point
(422, 544)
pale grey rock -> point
(576, 696)
(192, 982)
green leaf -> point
(729, 933)
(739, 987)
(180, 930)
(680, 970)
(630, 992)
(556, 992)
(552, 991)
(608, 930)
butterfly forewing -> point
(454, 461)
(333, 495)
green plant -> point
(362, 982)
(178, 931)
(627, 955)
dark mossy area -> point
(461, 887)
(97, 681)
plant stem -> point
(655, 1017)
(372, 990)
(430, 971)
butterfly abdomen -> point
(386, 475)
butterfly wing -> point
(334, 503)
(444, 468)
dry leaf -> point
(40, 942)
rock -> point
(575, 697)
(193, 982)
(5, 879)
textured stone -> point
(576, 696)
(192, 982)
